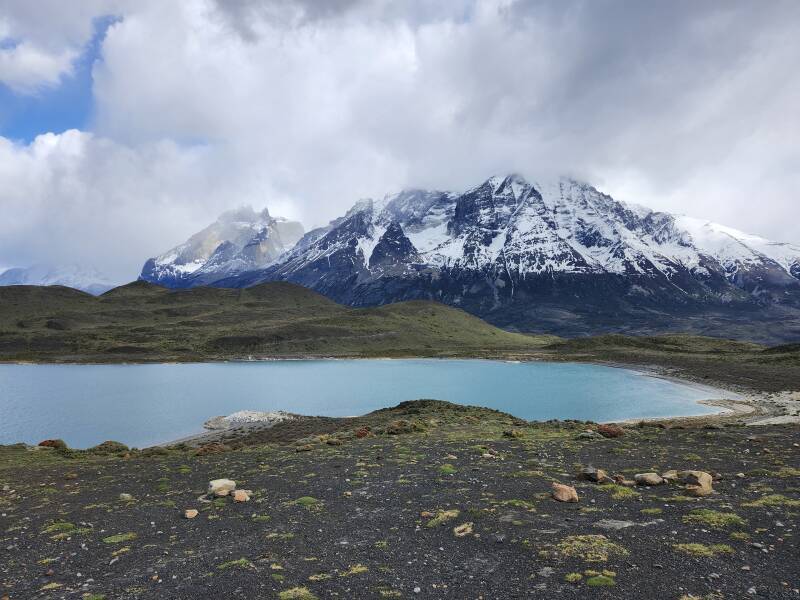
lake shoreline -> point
(735, 405)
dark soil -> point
(341, 516)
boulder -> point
(564, 493)
(610, 431)
(698, 483)
(592, 474)
(648, 479)
(221, 487)
(589, 435)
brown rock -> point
(564, 493)
(190, 513)
(648, 479)
(363, 432)
(610, 431)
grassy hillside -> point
(143, 322)
(740, 363)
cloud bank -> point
(306, 107)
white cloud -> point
(26, 68)
(308, 106)
(76, 197)
(39, 41)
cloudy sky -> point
(126, 125)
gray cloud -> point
(308, 106)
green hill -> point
(143, 322)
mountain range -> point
(79, 277)
(554, 256)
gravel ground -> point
(434, 501)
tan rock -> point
(190, 513)
(241, 496)
(698, 483)
(648, 479)
(564, 493)
(671, 475)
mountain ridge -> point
(556, 256)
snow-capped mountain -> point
(555, 256)
(81, 278)
(240, 240)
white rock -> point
(221, 487)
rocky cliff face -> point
(555, 256)
(239, 241)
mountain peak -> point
(239, 240)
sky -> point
(128, 125)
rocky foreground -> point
(425, 500)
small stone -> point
(221, 487)
(190, 513)
(417, 590)
(648, 479)
(564, 493)
(426, 514)
(125, 497)
(740, 475)
(462, 530)
(241, 496)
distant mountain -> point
(555, 256)
(240, 240)
(81, 278)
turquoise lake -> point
(142, 405)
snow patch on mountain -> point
(86, 279)
(509, 226)
(238, 241)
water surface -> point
(142, 405)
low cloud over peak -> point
(201, 106)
